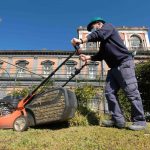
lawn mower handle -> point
(77, 71)
(77, 49)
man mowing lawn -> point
(120, 75)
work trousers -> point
(123, 77)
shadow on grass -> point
(53, 126)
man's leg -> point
(111, 90)
(128, 83)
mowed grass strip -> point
(75, 138)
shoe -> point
(135, 127)
(111, 123)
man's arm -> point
(76, 41)
(100, 34)
(97, 57)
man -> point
(120, 75)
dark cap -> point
(94, 20)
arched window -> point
(47, 67)
(70, 67)
(20, 71)
(92, 69)
(135, 41)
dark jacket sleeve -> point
(97, 57)
(101, 34)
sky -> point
(51, 24)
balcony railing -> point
(26, 76)
(147, 49)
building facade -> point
(40, 63)
(135, 38)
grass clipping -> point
(84, 117)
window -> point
(135, 41)
(1, 63)
(91, 45)
(92, 70)
(1, 69)
(47, 67)
(20, 71)
(70, 67)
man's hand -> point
(84, 58)
(76, 41)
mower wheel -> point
(21, 124)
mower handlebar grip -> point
(78, 49)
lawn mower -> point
(39, 107)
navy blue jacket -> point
(112, 48)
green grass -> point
(75, 138)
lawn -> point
(75, 138)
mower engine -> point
(5, 108)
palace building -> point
(43, 62)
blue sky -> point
(51, 24)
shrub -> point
(26, 90)
(125, 105)
(84, 94)
(22, 92)
(143, 76)
(78, 120)
(84, 115)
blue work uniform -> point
(121, 73)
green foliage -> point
(26, 90)
(143, 76)
(78, 120)
(22, 92)
(125, 105)
(84, 115)
(84, 94)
